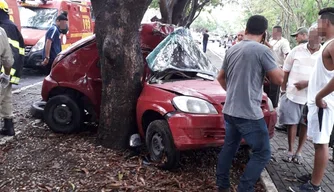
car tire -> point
(59, 110)
(37, 109)
(158, 133)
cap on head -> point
(61, 17)
(4, 6)
(300, 30)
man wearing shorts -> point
(297, 68)
(321, 102)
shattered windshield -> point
(37, 18)
(178, 51)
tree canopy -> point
(182, 12)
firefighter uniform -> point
(16, 42)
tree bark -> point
(179, 11)
(166, 10)
(195, 8)
(117, 35)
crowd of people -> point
(304, 79)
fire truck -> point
(37, 16)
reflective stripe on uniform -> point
(15, 80)
(16, 44)
(12, 70)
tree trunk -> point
(179, 11)
(166, 10)
(117, 34)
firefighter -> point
(16, 42)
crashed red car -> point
(180, 106)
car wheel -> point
(37, 109)
(161, 146)
(62, 114)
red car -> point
(180, 106)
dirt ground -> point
(40, 160)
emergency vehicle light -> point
(34, 2)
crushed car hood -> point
(178, 51)
(204, 89)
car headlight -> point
(270, 105)
(193, 105)
(39, 45)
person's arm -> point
(287, 68)
(222, 79)
(274, 73)
(7, 59)
(48, 43)
(329, 88)
(222, 75)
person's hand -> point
(301, 85)
(4, 80)
(266, 43)
(45, 61)
(320, 102)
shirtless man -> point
(321, 102)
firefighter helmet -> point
(4, 6)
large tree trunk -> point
(166, 10)
(117, 34)
(179, 11)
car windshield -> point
(37, 18)
(179, 52)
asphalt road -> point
(29, 77)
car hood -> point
(204, 89)
(32, 36)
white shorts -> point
(320, 124)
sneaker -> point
(307, 187)
(303, 178)
(280, 127)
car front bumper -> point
(191, 131)
(33, 59)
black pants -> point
(205, 43)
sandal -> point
(288, 158)
(298, 159)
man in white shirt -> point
(297, 69)
(279, 45)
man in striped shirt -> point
(297, 69)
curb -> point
(267, 181)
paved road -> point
(29, 77)
(283, 174)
